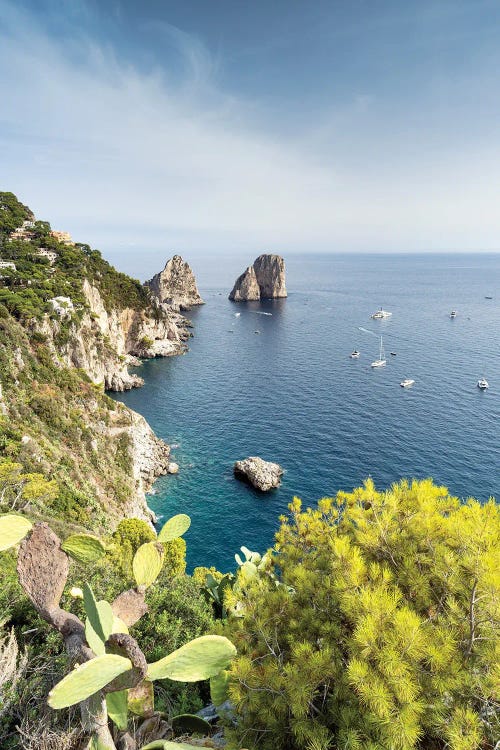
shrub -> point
(385, 634)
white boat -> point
(483, 384)
(380, 362)
(453, 314)
(381, 314)
(406, 383)
(355, 354)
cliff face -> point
(246, 287)
(104, 343)
(264, 280)
(175, 286)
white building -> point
(63, 306)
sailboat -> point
(380, 362)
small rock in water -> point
(263, 475)
(173, 468)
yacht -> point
(355, 354)
(453, 314)
(381, 314)
(380, 362)
(406, 383)
(483, 384)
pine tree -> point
(384, 635)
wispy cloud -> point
(123, 156)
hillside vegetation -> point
(26, 290)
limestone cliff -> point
(175, 286)
(264, 280)
(246, 287)
(105, 342)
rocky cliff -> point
(264, 280)
(246, 287)
(175, 286)
(70, 325)
(105, 342)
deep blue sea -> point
(291, 394)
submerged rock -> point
(264, 280)
(176, 285)
(263, 475)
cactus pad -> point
(106, 620)
(100, 614)
(199, 659)
(12, 530)
(147, 563)
(141, 700)
(219, 684)
(175, 527)
(117, 706)
(84, 548)
(189, 724)
(87, 679)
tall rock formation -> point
(246, 287)
(264, 280)
(175, 286)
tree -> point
(386, 632)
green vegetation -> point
(385, 633)
(114, 676)
(26, 290)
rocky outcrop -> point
(175, 286)
(264, 280)
(150, 458)
(105, 343)
(263, 475)
(246, 287)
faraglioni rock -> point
(263, 475)
(246, 287)
(264, 280)
(175, 286)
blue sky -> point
(237, 127)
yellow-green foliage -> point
(131, 533)
(386, 634)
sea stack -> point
(176, 285)
(264, 280)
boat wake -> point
(259, 312)
(365, 330)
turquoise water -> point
(291, 393)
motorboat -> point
(380, 362)
(483, 384)
(393, 354)
(381, 314)
(453, 314)
(355, 354)
(406, 383)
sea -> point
(275, 379)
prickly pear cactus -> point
(190, 723)
(13, 529)
(87, 679)
(199, 659)
(174, 527)
(99, 618)
(84, 548)
(147, 563)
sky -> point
(212, 127)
